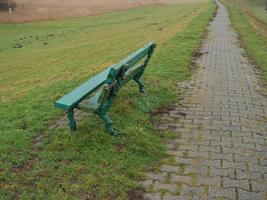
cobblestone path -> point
(221, 152)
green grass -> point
(254, 7)
(258, 9)
(254, 42)
(90, 163)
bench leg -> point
(72, 121)
(108, 124)
(141, 85)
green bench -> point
(97, 94)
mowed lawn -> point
(40, 62)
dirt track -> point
(32, 10)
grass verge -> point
(89, 164)
(258, 9)
(253, 41)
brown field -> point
(32, 10)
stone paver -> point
(221, 152)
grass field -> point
(252, 27)
(258, 9)
(40, 62)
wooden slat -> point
(136, 56)
(74, 97)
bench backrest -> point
(108, 76)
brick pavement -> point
(221, 151)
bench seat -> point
(72, 99)
(90, 104)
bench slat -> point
(70, 100)
(136, 56)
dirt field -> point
(32, 10)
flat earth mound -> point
(32, 10)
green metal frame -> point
(72, 122)
(109, 81)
